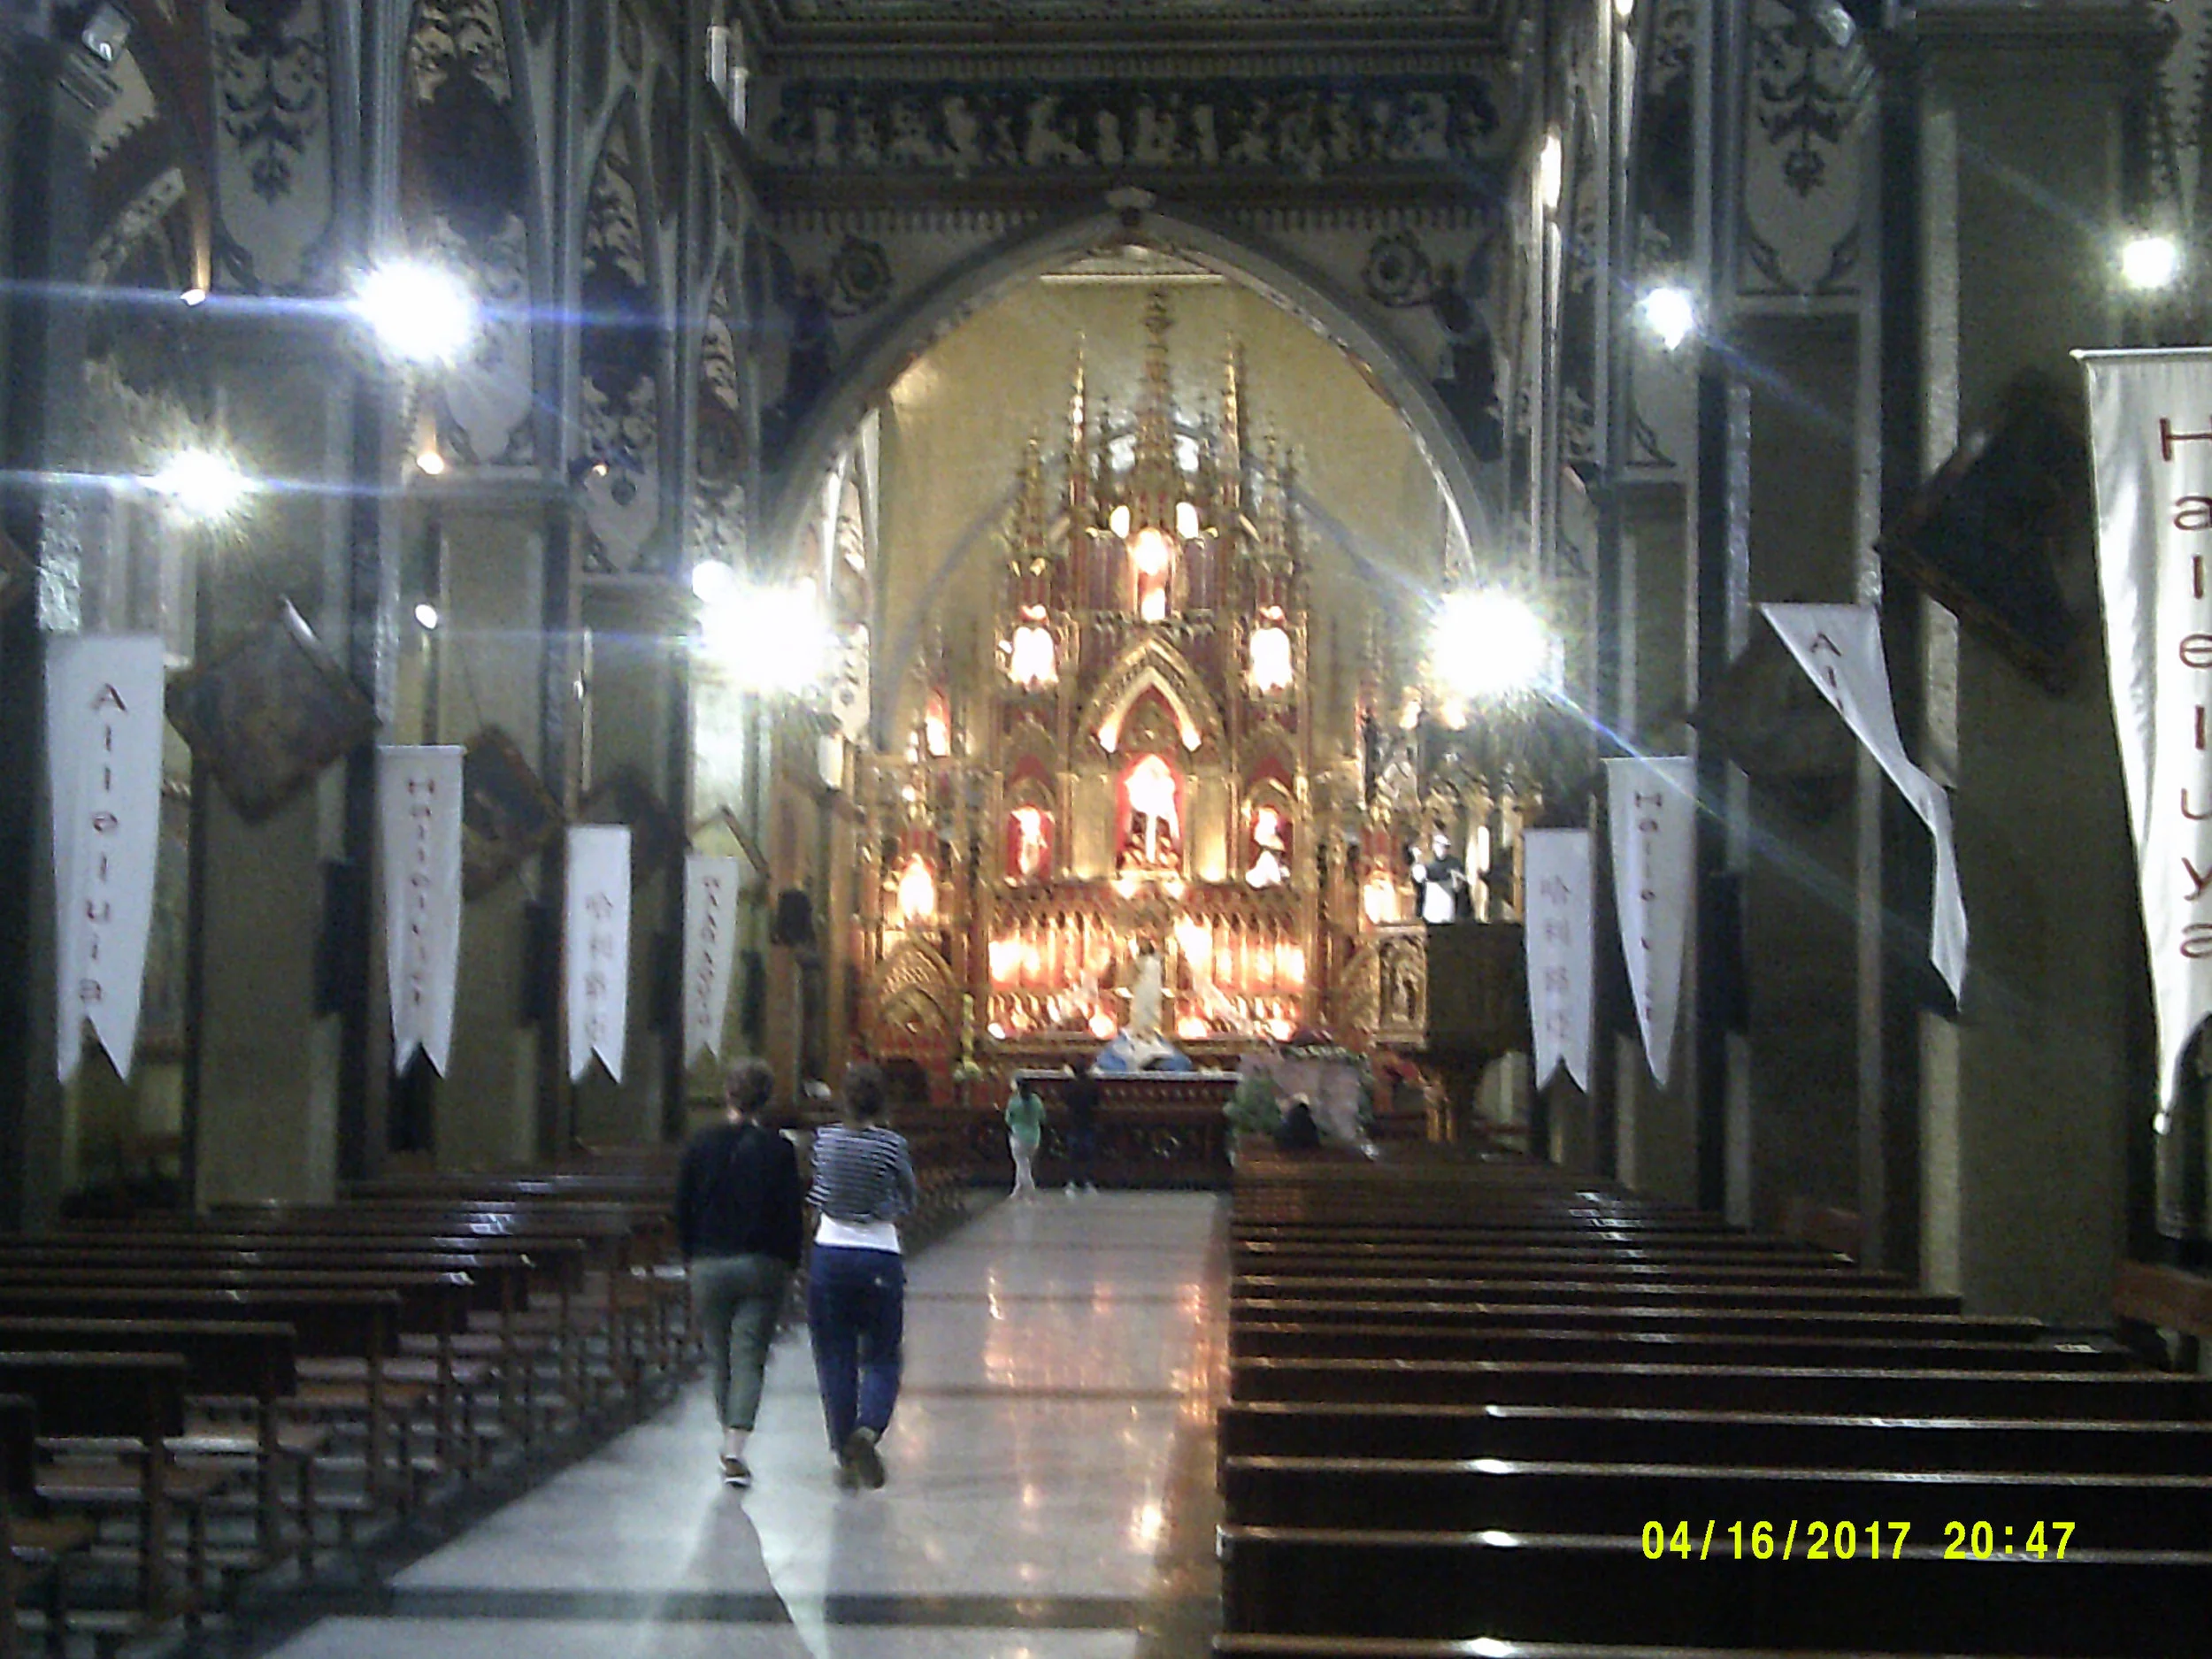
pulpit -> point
(1454, 995)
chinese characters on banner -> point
(709, 948)
(2150, 426)
(1557, 921)
(1840, 648)
(418, 796)
(597, 948)
(104, 719)
(1653, 809)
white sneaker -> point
(1071, 1189)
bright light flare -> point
(767, 639)
(201, 484)
(2148, 262)
(1103, 1026)
(1488, 644)
(426, 617)
(419, 314)
(1670, 313)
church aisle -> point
(1051, 1494)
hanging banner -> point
(418, 801)
(597, 948)
(2150, 430)
(709, 948)
(104, 719)
(1653, 808)
(1557, 872)
(1840, 648)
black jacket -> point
(738, 1194)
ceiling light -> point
(201, 484)
(2148, 262)
(711, 580)
(426, 614)
(420, 313)
(430, 463)
(1670, 313)
(1551, 166)
(194, 295)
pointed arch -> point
(1151, 664)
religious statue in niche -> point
(1268, 855)
(1442, 878)
(1028, 844)
(1146, 990)
(1152, 834)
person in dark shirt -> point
(1298, 1132)
(1083, 1097)
(738, 1217)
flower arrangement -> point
(1256, 1106)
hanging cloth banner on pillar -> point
(709, 948)
(1653, 808)
(2150, 431)
(419, 801)
(104, 719)
(1557, 925)
(597, 947)
(1840, 648)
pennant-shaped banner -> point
(1653, 808)
(709, 948)
(598, 948)
(1840, 647)
(2150, 428)
(419, 798)
(103, 718)
(1557, 872)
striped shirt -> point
(862, 1175)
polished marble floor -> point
(1050, 1492)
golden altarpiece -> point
(1126, 815)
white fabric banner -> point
(709, 948)
(418, 801)
(1653, 809)
(1557, 872)
(2150, 428)
(103, 720)
(1840, 648)
(597, 948)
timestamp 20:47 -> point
(1848, 1540)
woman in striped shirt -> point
(856, 1305)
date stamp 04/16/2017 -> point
(1851, 1540)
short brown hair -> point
(865, 1095)
(749, 1086)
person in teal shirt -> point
(1024, 1128)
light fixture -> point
(201, 484)
(194, 295)
(419, 314)
(1624, 10)
(430, 463)
(427, 615)
(768, 639)
(1670, 313)
(1551, 166)
(1119, 520)
(106, 31)
(2149, 261)
(1103, 1026)
(1486, 643)
(711, 580)
(1149, 551)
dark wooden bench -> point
(1633, 1434)
(37, 1546)
(1540, 1343)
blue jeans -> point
(856, 1308)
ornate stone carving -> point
(1305, 129)
(1807, 83)
(621, 351)
(270, 73)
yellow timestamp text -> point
(1850, 1540)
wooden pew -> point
(36, 1546)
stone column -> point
(2029, 1102)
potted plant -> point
(1256, 1109)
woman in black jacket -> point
(738, 1217)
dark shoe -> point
(861, 1459)
(847, 1478)
(735, 1473)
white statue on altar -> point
(1145, 995)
